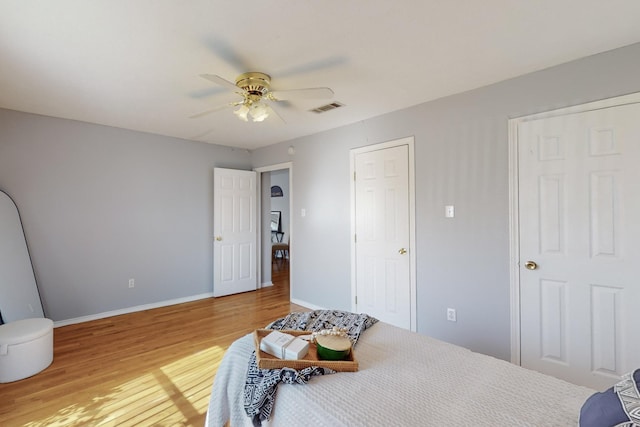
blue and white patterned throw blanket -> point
(261, 384)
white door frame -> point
(279, 166)
(409, 141)
(514, 226)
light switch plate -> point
(449, 211)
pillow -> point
(618, 405)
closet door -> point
(235, 231)
(383, 286)
(579, 206)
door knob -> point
(530, 265)
(402, 251)
(219, 238)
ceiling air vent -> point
(327, 107)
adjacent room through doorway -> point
(276, 199)
(279, 225)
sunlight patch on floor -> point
(173, 395)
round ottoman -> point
(26, 348)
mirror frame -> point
(276, 221)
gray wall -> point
(461, 156)
(102, 205)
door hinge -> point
(356, 299)
(355, 238)
(354, 176)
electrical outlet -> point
(132, 283)
(451, 314)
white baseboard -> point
(266, 284)
(128, 310)
(167, 303)
(306, 304)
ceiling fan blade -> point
(220, 81)
(311, 93)
(273, 110)
(223, 50)
(213, 110)
(310, 67)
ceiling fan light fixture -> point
(242, 112)
(258, 111)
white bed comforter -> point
(405, 379)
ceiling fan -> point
(255, 89)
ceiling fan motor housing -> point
(254, 83)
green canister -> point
(332, 347)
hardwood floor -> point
(150, 368)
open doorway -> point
(280, 225)
(276, 228)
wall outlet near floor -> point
(451, 314)
(132, 283)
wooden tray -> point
(267, 361)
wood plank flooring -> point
(150, 368)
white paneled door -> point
(382, 235)
(235, 231)
(579, 193)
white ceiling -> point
(135, 64)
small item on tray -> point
(268, 361)
(284, 346)
(333, 347)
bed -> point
(407, 379)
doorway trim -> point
(409, 141)
(514, 214)
(260, 170)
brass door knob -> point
(530, 265)
(219, 238)
(402, 251)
